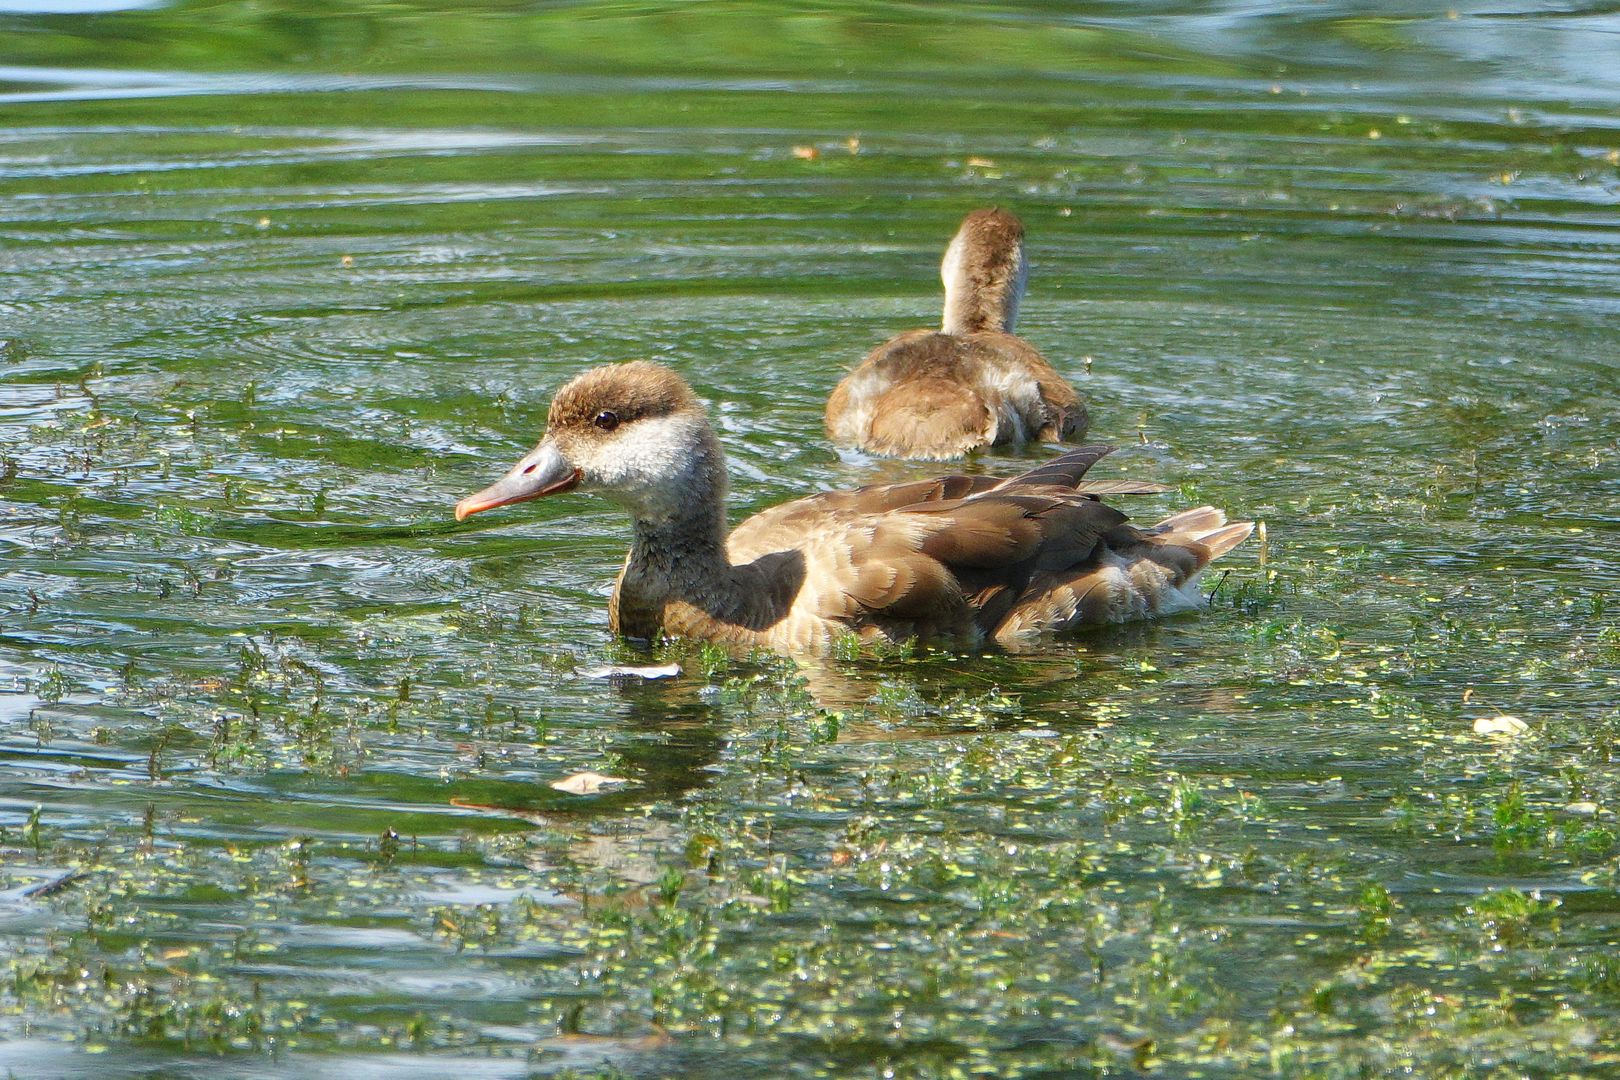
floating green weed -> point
(280, 736)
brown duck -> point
(972, 383)
(962, 560)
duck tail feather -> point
(1190, 523)
(1222, 540)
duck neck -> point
(984, 279)
(678, 551)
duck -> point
(972, 562)
(971, 384)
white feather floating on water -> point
(617, 671)
(1510, 726)
(586, 783)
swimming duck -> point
(972, 383)
(961, 560)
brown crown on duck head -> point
(627, 392)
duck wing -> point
(789, 523)
(995, 542)
(917, 395)
(768, 529)
(931, 557)
(969, 558)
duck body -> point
(931, 395)
(937, 394)
(963, 561)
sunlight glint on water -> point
(278, 736)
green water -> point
(282, 281)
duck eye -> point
(607, 421)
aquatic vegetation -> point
(282, 743)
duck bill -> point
(543, 471)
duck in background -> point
(959, 560)
(972, 383)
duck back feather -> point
(977, 559)
(937, 394)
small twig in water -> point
(154, 768)
(50, 885)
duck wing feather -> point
(973, 557)
(944, 552)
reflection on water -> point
(282, 283)
(95, 84)
(71, 7)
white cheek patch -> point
(649, 465)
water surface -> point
(283, 283)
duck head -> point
(634, 433)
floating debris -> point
(586, 783)
(620, 671)
(55, 883)
(1500, 725)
